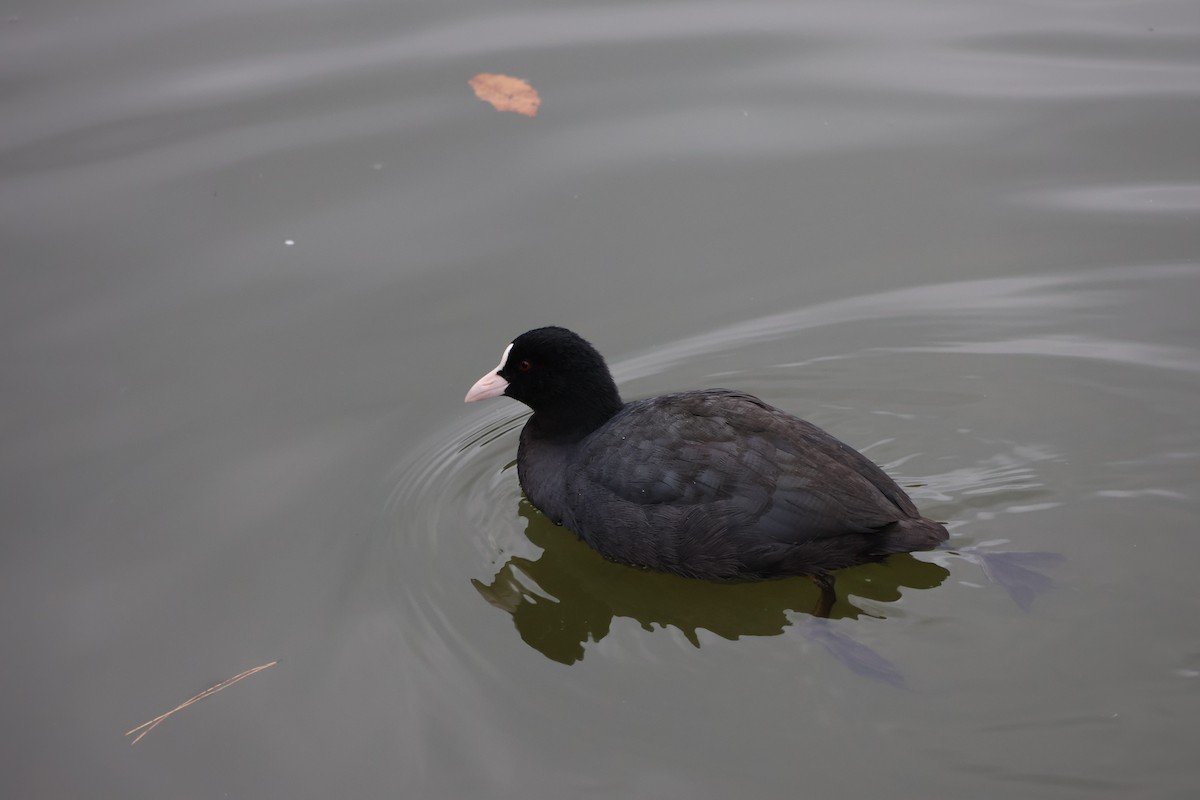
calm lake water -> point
(254, 254)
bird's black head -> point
(556, 373)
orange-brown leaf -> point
(506, 93)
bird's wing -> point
(726, 464)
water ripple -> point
(1133, 353)
(1004, 301)
(1152, 198)
(459, 490)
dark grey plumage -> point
(712, 484)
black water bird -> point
(712, 484)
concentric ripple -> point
(924, 380)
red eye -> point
(524, 366)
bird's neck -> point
(572, 420)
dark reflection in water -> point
(1019, 573)
(570, 594)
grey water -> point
(253, 254)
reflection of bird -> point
(569, 595)
(709, 484)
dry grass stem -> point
(154, 723)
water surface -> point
(254, 254)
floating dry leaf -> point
(154, 723)
(506, 93)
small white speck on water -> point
(289, 242)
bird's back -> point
(717, 484)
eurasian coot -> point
(711, 484)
